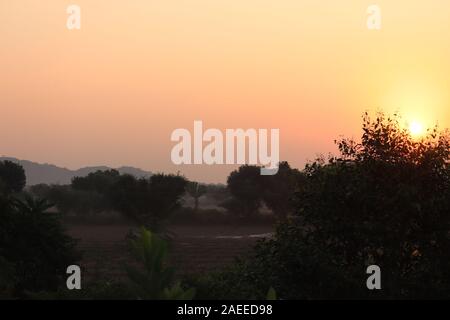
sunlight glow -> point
(416, 129)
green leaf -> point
(271, 294)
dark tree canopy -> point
(69, 200)
(277, 190)
(34, 249)
(250, 189)
(98, 181)
(386, 201)
(12, 177)
(244, 185)
(147, 201)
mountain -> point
(50, 174)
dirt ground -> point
(194, 249)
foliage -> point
(146, 201)
(241, 280)
(33, 246)
(156, 279)
(6, 279)
(249, 189)
(12, 177)
(245, 187)
(217, 192)
(149, 202)
(271, 294)
(277, 190)
(98, 181)
(383, 201)
(68, 200)
(195, 190)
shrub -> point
(384, 201)
(34, 246)
(156, 279)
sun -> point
(416, 129)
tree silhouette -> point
(148, 202)
(245, 186)
(12, 177)
(34, 248)
(250, 189)
(98, 181)
(195, 190)
(277, 190)
(384, 200)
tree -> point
(250, 189)
(244, 185)
(156, 280)
(33, 246)
(67, 199)
(277, 190)
(34, 249)
(98, 181)
(148, 202)
(90, 193)
(195, 190)
(384, 201)
(12, 177)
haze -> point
(112, 92)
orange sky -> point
(112, 92)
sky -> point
(112, 92)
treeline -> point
(159, 199)
(34, 248)
(384, 200)
(145, 201)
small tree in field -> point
(148, 202)
(250, 189)
(244, 185)
(195, 190)
(156, 280)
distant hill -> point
(50, 174)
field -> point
(194, 249)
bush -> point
(239, 281)
(155, 281)
(384, 201)
(34, 246)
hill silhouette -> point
(37, 173)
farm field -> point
(193, 249)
